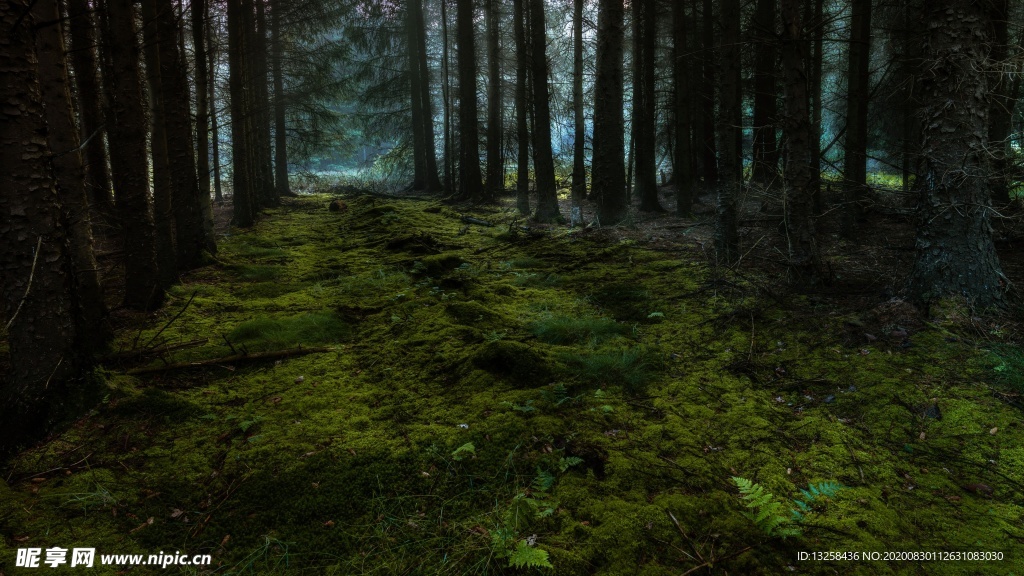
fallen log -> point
(477, 221)
(135, 355)
(232, 359)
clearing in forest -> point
(485, 399)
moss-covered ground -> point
(488, 390)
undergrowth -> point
(493, 404)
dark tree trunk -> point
(858, 91)
(261, 111)
(419, 141)
(814, 86)
(280, 101)
(1001, 107)
(495, 180)
(726, 235)
(470, 184)
(189, 229)
(709, 148)
(37, 296)
(243, 199)
(163, 185)
(202, 119)
(449, 168)
(543, 161)
(129, 165)
(522, 104)
(766, 153)
(802, 247)
(90, 97)
(218, 192)
(68, 171)
(683, 175)
(644, 104)
(607, 172)
(955, 253)
(579, 166)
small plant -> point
(768, 512)
(465, 451)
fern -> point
(544, 481)
(568, 462)
(766, 511)
(464, 451)
(526, 556)
(814, 492)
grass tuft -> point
(566, 330)
(279, 333)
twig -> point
(31, 275)
(159, 350)
(230, 360)
(171, 321)
(709, 562)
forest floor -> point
(473, 397)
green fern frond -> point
(568, 462)
(544, 481)
(766, 511)
(525, 556)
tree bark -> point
(199, 24)
(683, 144)
(90, 105)
(261, 111)
(709, 148)
(129, 165)
(955, 253)
(419, 152)
(37, 296)
(495, 178)
(163, 185)
(765, 167)
(579, 166)
(608, 172)
(69, 174)
(470, 183)
(1001, 107)
(543, 161)
(218, 191)
(857, 95)
(522, 103)
(644, 104)
(804, 267)
(243, 199)
(814, 85)
(731, 132)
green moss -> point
(289, 331)
(513, 361)
(568, 330)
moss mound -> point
(514, 362)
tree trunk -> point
(69, 174)
(804, 267)
(261, 112)
(543, 161)
(243, 199)
(129, 165)
(189, 229)
(608, 172)
(419, 152)
(90, 106)
(765, 167)
(470, 184)
(1001, 107)
(163, 185)
(199, 23)
(495, 179)
(709, 149)
(814, 85)
(726, 235)
(579, 166)
(449, 169)
(522, 103)
(955, 252)
(683, 175)
(37, 296)
(644, 104)
(858, 91)
(218, 192)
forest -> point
(573, 287)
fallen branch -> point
(477, 221)
(235, 358)
(131, 355)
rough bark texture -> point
(817, 7)
(129, 165)
(799, 196)
(579, 166)
(495, 178)
(543, 161)
(90, 97)
(955, 253)
(260, 112)
(683, 144)
(857, 94)
(644, 104)
(419, 152)
(522, 103)
(470, 184)
(608, 173)
(709, 148)
(730, 130)
(199, 22)
(218, 191)
(163, 185)
(765, 168)
(36, 290)
(243, 200)
(69, 173)
(280, 101)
